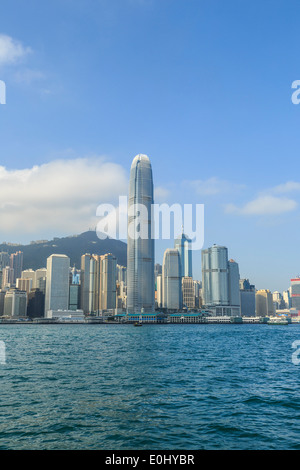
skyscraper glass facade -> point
(140, 248)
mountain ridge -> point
(36, 253)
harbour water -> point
(116, 387)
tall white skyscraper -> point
(140, 244)
(57, 285)
(171, 280)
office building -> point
(278, 301)
(94, 284)
(188, 292)
(198, 294)
(4, 259)
(57, 285)
(171, 280)
(74, 296)
(122, 274)
(15, 303)
(140, 244)
(29, 274)
(286, 299)
(234, 284)
(121, 295)
(159, 291)
(264, 303)
(108, 279)
(75, 276)
(24, 284)
(16, 263)
(247, 296)
(183, 245)
(2, 297)
(7, 277)
(295, 293)
(85, 282)
(35, 304)
(40, 276)
(220, 282)
(157, 272)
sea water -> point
(116, 387)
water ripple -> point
(158, 387)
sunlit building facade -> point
(140, 243)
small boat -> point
(138, 323)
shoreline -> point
(93, 323)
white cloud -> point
(57, 197)
(28, 76)
(289, 186)
(264, 205)
(212, 186)
(11, 50)
(161, 194)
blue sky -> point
(202, 87)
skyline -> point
(205, 91)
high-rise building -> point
(4, 259)
(2, 298)
(40, 277)
(157, 272)
(24, 284)
(15, 303)
(286, 299)
(183, 245)
(247, 296)
(171, 280)
(75, 276)
(98, 283)
(264, 303)
(108, 279)
(220, 282)
(94, 284)
(57, 285)
(74, 296)
(278, 301)
(140, 244)
(159, 290)
(29, 274)
(35, 304)
(188, 292)
(234, 283)
(16, 262)
(198, 294)
(295, 293)
(121, 295)
(7, 277)
(215, 276)
(122, 274)
(85, 282)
